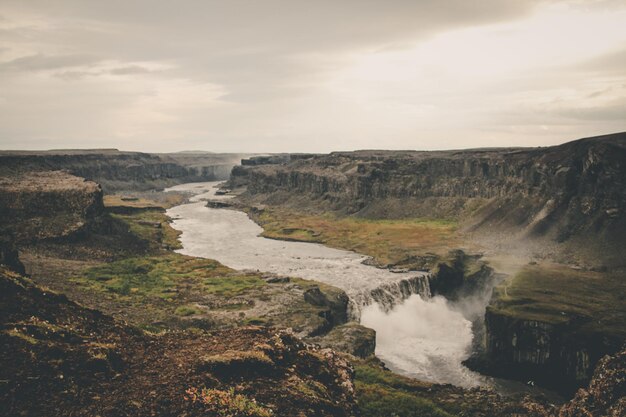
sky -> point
(309, 76)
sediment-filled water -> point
(417, 335)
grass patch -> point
(152, 226)
(160, 276)
(377, 401)
(186, 311)
(557, 294)
(226, 403)
(255, 321)
(387, 241)
(163, 200)
(382, 393)
(229, 286)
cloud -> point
(612, 62)
(307, 75)
(40, 62)
(130, 70)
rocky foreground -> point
(59, 358)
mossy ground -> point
(153, 227)
(141, 200)
(382, 393)
(389, 242)
(557, 294)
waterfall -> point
(390, 294)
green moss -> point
(229, 286)
(186, 311)
(311, 388)
(377, 401)
(255, 321)
(558, 294)
(143, 224)
(226, 403)
(383, 393)
(160, 277)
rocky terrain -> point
(118, 171)
(59, 358)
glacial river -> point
(422, 338)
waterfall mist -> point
(425, 339)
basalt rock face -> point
(44, 205)
(604, 397)
(9, 256)
(561, 194)
(551, 354)
(116, 170)
(606, 394)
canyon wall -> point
(116, 170)
(557, 355)
(572, 193)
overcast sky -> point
(309, 76)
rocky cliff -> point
(116, 170)
(551, 324)
(49, 204)
(551, 354)
(557, 195)
(604, 397)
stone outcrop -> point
(9, 256)
(352, 338)
(459, 275)
(604, 397)
(48, 204)
(335, 304)
(606, 394)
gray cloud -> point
(130, 70)
(613, 62)
(39, 62)
(262, 75)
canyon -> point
(522, 247)
(559, 207)
(118, 170)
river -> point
(421, 337)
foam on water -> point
(424, 339)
